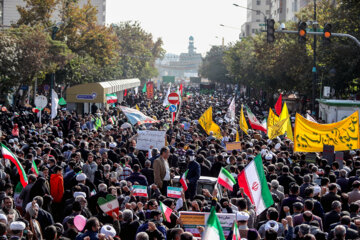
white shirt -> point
(167, 175)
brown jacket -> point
(159, 171)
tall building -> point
(184, 66)
(285, 10)
(255, 18)
(10, 15)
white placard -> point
(149, 138)
(41, 101)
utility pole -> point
(314, 68)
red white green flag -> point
(183, 180)
(226, 180)
(34, 168)
(253, 180)
(236, 233)
(111, 98)
(213, 230)
(7, 154)
(140, 191)
(112, 120)
(166, 211)
(254, 122)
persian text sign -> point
(311, 137)
(193, 219)
(147, 138)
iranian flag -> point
(7, 154)
(34, 168)
(213, 230)
(183, 180)
(166, 211)
(112, 120)
(236, 233)
(111, 98)
(109, 204)
(226, 180)
(254, 122)
(140, 191)
(253, 180)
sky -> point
(176, 20)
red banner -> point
(150, 90)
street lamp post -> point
(265, 18)
(314, 68)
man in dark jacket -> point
(333, 216)
(137, 177)
(328, 198)
(193, 174)
(285, 179)
(148, 172)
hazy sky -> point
(175, 20)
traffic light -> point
(302, 32)
(270, 30)
(327, 33)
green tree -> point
(37, 12)
(213, 66)
(138, 51)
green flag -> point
(144, 88)
(62, 101)
(214, 230)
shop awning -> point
(95, 92)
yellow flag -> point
(206, 120)
(137, 107)
(272, 118)
(311, 137)
(216, 130)
(242, 122)
(286, 127)
(237, 136)
(276, 129)
(208, 125)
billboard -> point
(168, 79)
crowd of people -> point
(78, 162)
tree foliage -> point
(138, 51)
(286, 65)
(213, 66)
(81, 50)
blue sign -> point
(172, 108)
(46, 87)
(24, 87)
(86, 96)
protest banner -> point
(328, 153)
(147, 138)
(339, 157)
(311, 137)
(233, 146)
(140, 191)
(174, 192)
(193, 219)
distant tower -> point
(191, 45)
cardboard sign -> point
(149, 138)
(233, 146)
(174, 192)
(193, 219)
(328, 153)
(150, 90)
(339, 157)
(310, 157)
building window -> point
(257, 12)
(267, 12)
(253, 30)
(257, 20)
(268, 2)
(258, 2)
(1, 11)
